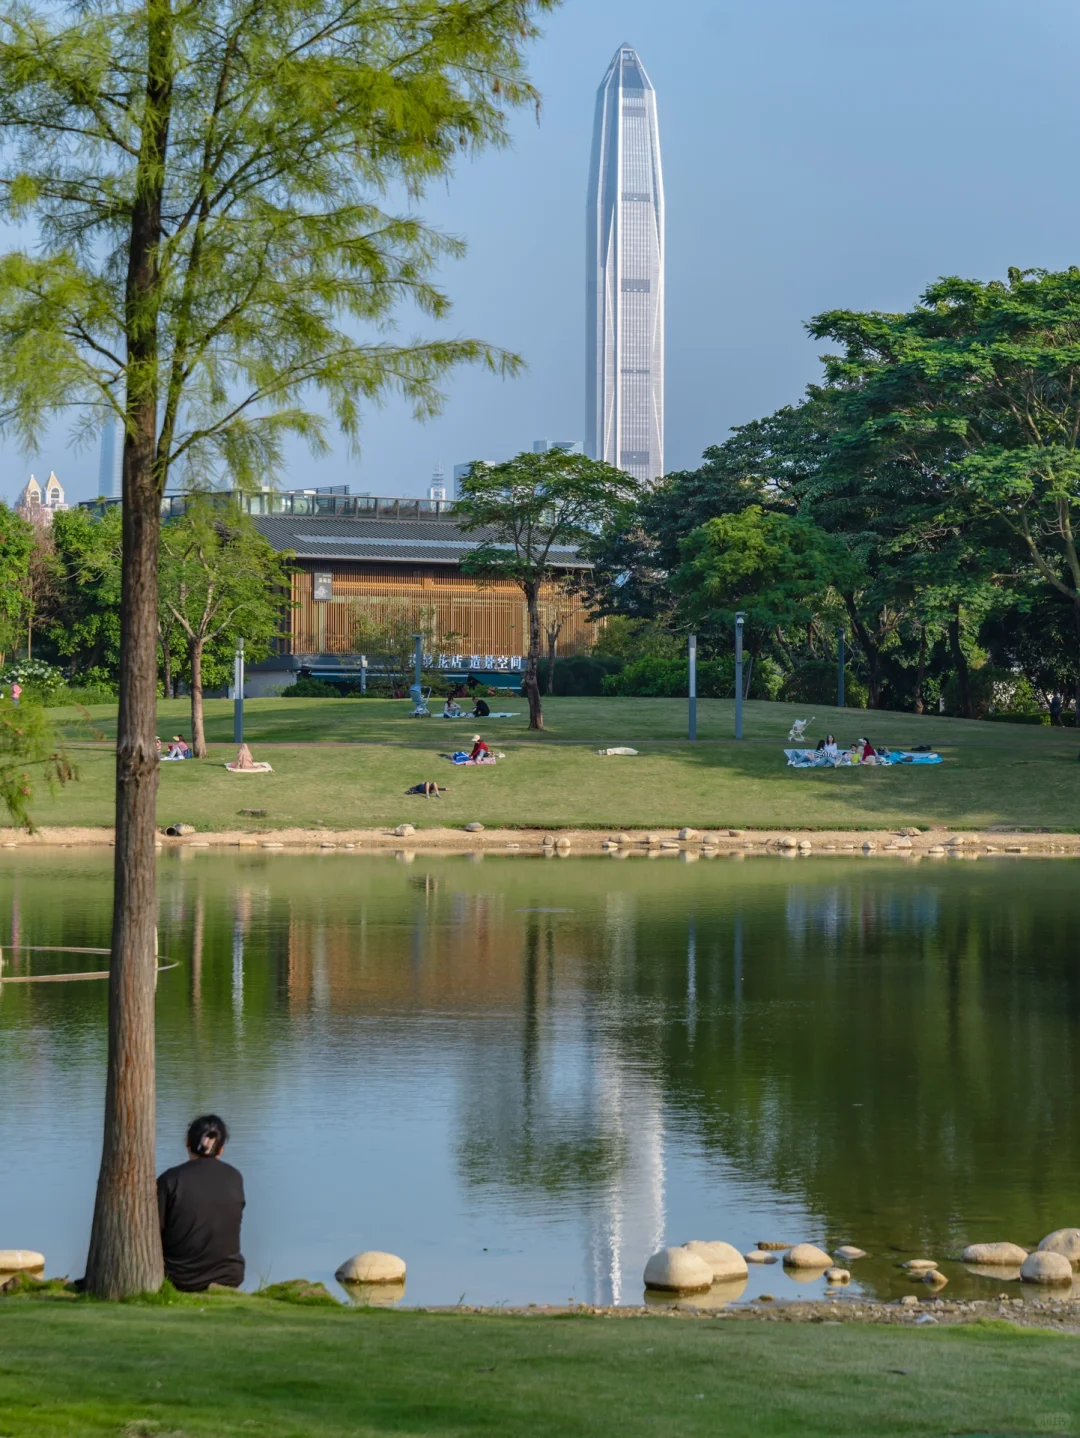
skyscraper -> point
(624, 422)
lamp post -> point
(693, 686)
(419, 658)
(840, 670)
(238, 693)
(739, 618)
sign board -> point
(323, 586)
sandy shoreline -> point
(1056, 1314)
(936, 843)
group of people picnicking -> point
(860, 751)
(178, 748)
(453, 710)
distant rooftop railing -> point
(307, 503)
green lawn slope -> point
(218, 1367)
(346, 764)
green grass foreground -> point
(346, 763)
(208, 1367)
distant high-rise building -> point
(110, 461)
(462, 471)
(625, 275)
(437, 488)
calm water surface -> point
(524, 1075)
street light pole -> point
(693, 686)
(840, 670)
(238, 693)
(739, 618)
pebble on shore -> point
(1009, 1255)
(372, 1266)
(674, 1270)
(725, 1261)
(807, 1255)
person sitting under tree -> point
(201, 1206)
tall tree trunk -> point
(920, 676)
(552, 642)
(125, 1240)
(1076, 688)
(531, 683)
(166, 659)
(963, 673)
(198, 733)
(871, 654)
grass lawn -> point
(205, 1368)
(348, 762)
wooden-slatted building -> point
(390, 560)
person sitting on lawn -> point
(451, 709)
(429, 789)
(200, 1208)
(829, 746)
(179, 748)
(480, 750)
(869, 753)
(482, 710)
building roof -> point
(395, 541)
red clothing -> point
(869, 752)
(479, 748)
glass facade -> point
(625, 275)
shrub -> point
(313, 689)
(1005, 718)
(580, 675)
(814, 682)
(670, 679)
(41, 679)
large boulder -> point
(1008, 1255)
(726, 1262)
(807, 1255)
(1046, 1266)
(20, 1260)
(1065, 1241)
(372, 1266)
(674, 1270)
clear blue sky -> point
(817, 153)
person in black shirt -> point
(201, 1205)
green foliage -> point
(814, 682)
(27, 745)
(624, 638)
(221, 581)
(579, 674)
(389, 636)
(16, 543)
(670, 679)
(274, 264)
(35, 676)
(778, 568)
(83, 623)
(313, 689)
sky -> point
(817, 154)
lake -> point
(525, 1075)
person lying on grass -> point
(201, 1206)
(429, 789)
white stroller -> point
(798, 729)
(420, 697)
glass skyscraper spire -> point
(624, 421)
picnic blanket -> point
(620, 750)
(818, 759)
(462, 757)
(506, 714)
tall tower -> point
(624, 422)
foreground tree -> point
(535, 513)
(204, 181)
(220, 581)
